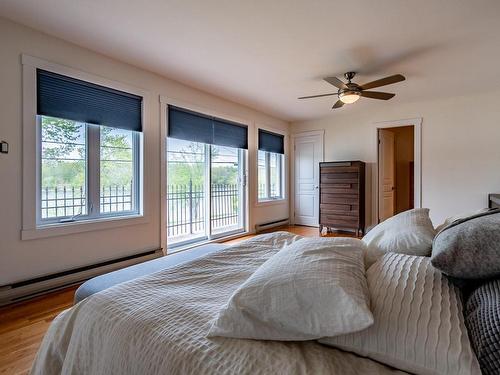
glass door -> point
(201, 179)
(227, 190)
(186, 192)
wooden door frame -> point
(417, 155)
(321, 133)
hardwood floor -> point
(23, 325)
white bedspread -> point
(157, 324)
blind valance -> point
(73, 99)
(271, 142)
(197, 127)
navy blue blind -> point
(77, 100)
(196, 127)
(271, 142)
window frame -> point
(247, 176)
(267, 165)
(210, 234)
(32, 228)
(92, 179)
(283, 166)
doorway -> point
(396, 170)
(307, 154)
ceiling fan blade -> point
(382, 82)
(336, 82)
(316, 96)
(338, 104)
(377, 95)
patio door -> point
(227, 190)
(206, 184)
(206, 191)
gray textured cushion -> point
(482, 318)
(469, 248)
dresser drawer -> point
(339, 220)
(339, 209)
(348, 199)
(339, 169)
(339, 178)
(336, 188)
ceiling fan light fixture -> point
(349, 92)
(349, 97)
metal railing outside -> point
(65, 201)
(186, 208)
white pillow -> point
(418, 325)
(410, 232)
(312, 288)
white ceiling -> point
(266, 53)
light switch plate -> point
(4, 147)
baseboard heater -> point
(41, 285)
(272, 224)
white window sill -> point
(271, 202)
(62, 229)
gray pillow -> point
(482, 318)
(469, 248)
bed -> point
(157, 324)
(99, 283)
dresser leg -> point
(320, 230)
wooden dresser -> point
(342, 196)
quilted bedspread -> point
(158, 324)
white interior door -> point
(386, 175)
(308, 153)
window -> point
(270, 166)
(118, 170)
(270, 175)
(206, 167)
(87, 171)
(89, 151)
(63, 191)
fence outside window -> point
(67, 201)
(262, 190)
(186, 205)
(186, 208)
(63, 201)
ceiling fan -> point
(350, 92)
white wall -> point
(460, 148)
(20, 259)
